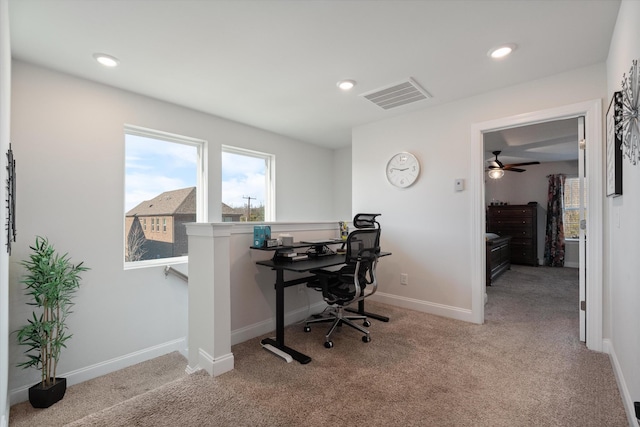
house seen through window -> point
(163, 176)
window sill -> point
(155, 262)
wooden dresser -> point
(521, 223)
(498, 257)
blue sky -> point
(242, 176)
(153, 166)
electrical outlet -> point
(301, 288)
(404, 279)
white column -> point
(209, 298)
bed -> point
(498, 256)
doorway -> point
(528, 155)
(591, 110)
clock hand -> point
(399, 169)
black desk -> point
(298, 267)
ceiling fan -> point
(512, 167)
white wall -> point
(531, 186)
(5, 99)
(69, 145)
(427, 226)
(622, 269)
(342, 184)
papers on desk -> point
(291, 256)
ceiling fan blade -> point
(514, 169)
(522, 164)
(496, 161)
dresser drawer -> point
(521, 244)
(511, 212)
(514, 232)
(523, 256)
(511, 222)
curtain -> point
(554, 237)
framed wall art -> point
(629, 126)
(11, 199)
(614, 147)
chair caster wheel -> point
(366, 324)
(366, 338)
(328, 344)
(307, 328)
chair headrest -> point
(365, 220)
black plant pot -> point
(43, 397)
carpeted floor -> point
(102, 392)
(524, 367)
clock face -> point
(403, 169)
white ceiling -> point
(545, 142)
(275, 64)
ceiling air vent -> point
(397, 95)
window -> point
(164, 179)
(571, 209)
(247, 185)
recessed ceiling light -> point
(346, 84)
(501, 51)
(106, 60)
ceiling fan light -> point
(496, 173)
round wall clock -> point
(628, 127)
(403, 169)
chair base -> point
(337, 317)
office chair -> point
(347, 285)
(367, 220)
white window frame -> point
(201, 187)
(565, 209)
(270, 178)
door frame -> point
(592, 111)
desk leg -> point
(362, 312)
(279, 341)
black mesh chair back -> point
(368, 220)
(362, 256)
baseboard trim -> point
(4, 419)
(84, 374)
(269, 325)
(608, 348)
(213, 366)
(425, 306)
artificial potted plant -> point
(51, 281)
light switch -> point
(459, 184)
